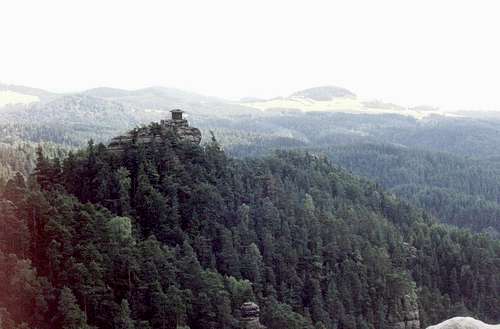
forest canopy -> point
(176, 235)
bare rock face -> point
(464, 323)
(177, 126)
(250, 313)
(410, 316)
(7, 207)
(183, 130)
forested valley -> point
(176, 235)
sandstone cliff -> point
(250, 316)
(408, 313)
(176, 127)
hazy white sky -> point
(445, 53)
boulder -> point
(464, 323)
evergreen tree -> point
(123, 319)
(69, 314)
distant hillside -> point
(459, 136)
(458, 191)
(149, 102)
(325, 93)
(20, 96)
(75, 112)
(338, 100)
(298, 120)
(40, 93)
(33, 115)
(258, 125)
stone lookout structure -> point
(250, 313)
(177, 114)
(176, 125)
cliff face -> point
(178, 127)
(409, 317)
(250, 316)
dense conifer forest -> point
(460, 191)
(20, 157)
(175, 235)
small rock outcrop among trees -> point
(250, 313)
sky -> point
(442, 53)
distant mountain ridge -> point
(43, 94)
(100, 113)
(324, 93)
(339, 100)
(151, 103)
(78, 109)
(20, 96)
(342, 118)
(148, 103)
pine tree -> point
(124, 185)
(69, 314)
(15, 189)
(251, 263)
(123, 320)
(228, 258)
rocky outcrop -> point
(250, 313)
(177, 127)
(182, 129)
(7, 207)
(464, 323)
(408, 314)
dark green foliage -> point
(174, 235)
(458, 191)
(69, 315)
(20, 157)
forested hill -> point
(460, 191)
(175, 235)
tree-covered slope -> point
(169, 235)
(459, 191)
